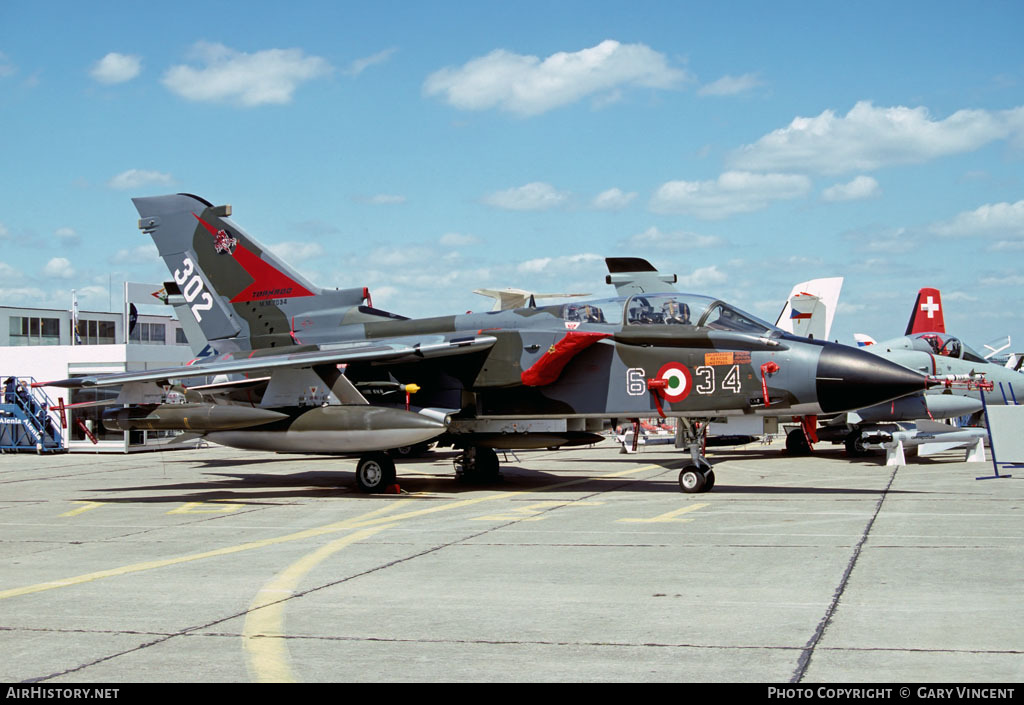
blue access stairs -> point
(27, 422)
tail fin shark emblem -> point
(222, 242)
(268, 282)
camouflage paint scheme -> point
(641, 354)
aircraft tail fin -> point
(927, 314)
(810, 308)
(240, 294)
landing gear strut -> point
(477, 465)
(375, 472)
(698, 475)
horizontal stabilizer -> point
(635, 275)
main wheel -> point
(375, 472)
(691, 479)
(479, 465)
(709, 480)
(796, 442)
(855, 446)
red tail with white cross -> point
(927, 314)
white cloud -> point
(860, 188)
(536, 196)
(134, 255)
(226, 75)
(401, 256)
(68, 237)
(6, 67)
(26, 296)
(613, 199)
(60, 268)
(297, 251)
(139, 178)
(655, 239)
(527, 85)
(116, 68)
(1009, 280)
(1006, 246)
(9, 274)
(704, 276)
(556, 265)
(458, 240)
(4, 232)
(386, 199)
(733, 192)
(868, 138)
(993, 220)
(731, 85)
(360, 65)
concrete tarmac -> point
(583, 565)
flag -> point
(144, 293)
(75, 338)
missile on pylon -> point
(188, 417)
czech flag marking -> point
(678, 379)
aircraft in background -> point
(506, 299)
(927, 348)
(522, 378)
(811, 307)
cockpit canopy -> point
(667, 309)
(945, 345)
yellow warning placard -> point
(718, 358)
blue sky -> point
(425, 149)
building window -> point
(91, 417)
(179, 336)
(155, 333)
(95, 332)
(27, 330)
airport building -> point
(44, 344)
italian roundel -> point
(678, 379)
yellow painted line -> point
(503, 495)
(163, 563)
(82, 510)
(667, 517)
(356, 523)
(525, 513)
(263, 633)
(206, 508)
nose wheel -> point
(698, 475)
(696, 478)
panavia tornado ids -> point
(323, 371)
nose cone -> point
(850, 379)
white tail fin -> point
(810, 308)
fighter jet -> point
(926, 348)
(521, 378)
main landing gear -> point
(375, 472)
(477, 465)
(698, 475)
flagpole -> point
(74, 316)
